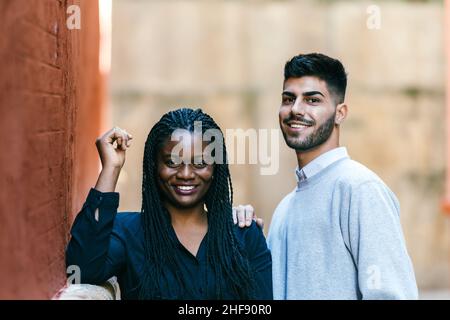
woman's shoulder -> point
(250, 237)
(127, 221)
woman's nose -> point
(185, 172)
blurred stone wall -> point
(228, 56)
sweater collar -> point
(320, 163)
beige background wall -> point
(227, 57)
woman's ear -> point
(341, 113)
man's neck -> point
(305, 157)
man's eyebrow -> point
(288, 93)
(312, 93)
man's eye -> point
(312, 100)
(287, 100)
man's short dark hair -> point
(321, 66)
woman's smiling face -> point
(183, 181)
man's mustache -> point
(299, 119)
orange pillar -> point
(50, 106)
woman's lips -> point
(185, 190)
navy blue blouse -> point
(114, 246)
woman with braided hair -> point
(183, 244)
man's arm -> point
(377, 244)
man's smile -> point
(297, 126)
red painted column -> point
(50, 106)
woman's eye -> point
(200, 164)
(171, 163)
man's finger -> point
(249, 213)
(234, 215)
(241, 215)
(260, 222)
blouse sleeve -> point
(98, 252)
(260, 260)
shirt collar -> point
(320, 163)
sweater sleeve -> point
(377, 245)
(94, 247)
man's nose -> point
(299, 108)
(185, 172)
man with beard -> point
(338, 234)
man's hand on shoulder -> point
(243, 216)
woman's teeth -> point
(185, 188)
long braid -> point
(156, 223)
(224, 252)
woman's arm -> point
(260, 260)
(95, 248)
(112, 157)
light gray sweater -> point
(338, 236)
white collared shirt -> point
(320, 163)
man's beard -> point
(315, 139)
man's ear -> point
(341, 113)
